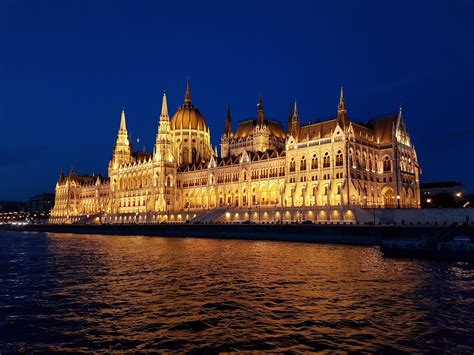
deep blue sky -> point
(67, 68)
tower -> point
(228, 122)
(227, 136)
(294, 127)
(164, 167)
(260, 113)
(342, 118)
(163, 149)
(122, 152)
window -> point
(292, 165)
(314, 162)
(338, 187)
(386, 165)
(303, 164)
(326, 161)
(339, 159)
(326, 189)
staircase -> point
(210, 216)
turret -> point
(342, 118)
(228, 122)
(261, 113)
(294, 128)
(187, 97)
(163, 137)
(122, 152)
(61, 176)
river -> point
(66, 292)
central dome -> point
(188, 116)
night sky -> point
(68, 67)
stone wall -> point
(414, 216)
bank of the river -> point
(340, 234)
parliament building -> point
(321, 172)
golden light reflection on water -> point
(185, 294)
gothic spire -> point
(295, 111)
(261, 114)
(164, 108)
(341, 110)
(187, 96)
(123, 125)
(228, 121)
(342, 104)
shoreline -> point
(335, 234)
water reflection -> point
(76, 292)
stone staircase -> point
(210, 216)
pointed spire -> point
(342, 118)
(123, 124)
(61, 175)
(342, 104)
(228, 121)
(295, 111)
(260, 102)
(187, 96)
(261, 114)
(164, 108)
(71, 172)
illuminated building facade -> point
(321, 171)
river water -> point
(65, 292)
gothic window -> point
(314, 162)
(339, 158)
(386, 165)
(326, 189)
(292, 165)
(338, 186)
(303, 164)
(326, 160)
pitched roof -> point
(317, 130)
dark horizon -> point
(67, 69)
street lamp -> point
(398, 201)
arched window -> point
(326, 189)
(314, 162)
(386, 165)
(326, 160)
(303, 164)
(339, 160)
(292, 165)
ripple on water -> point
(88, 293)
